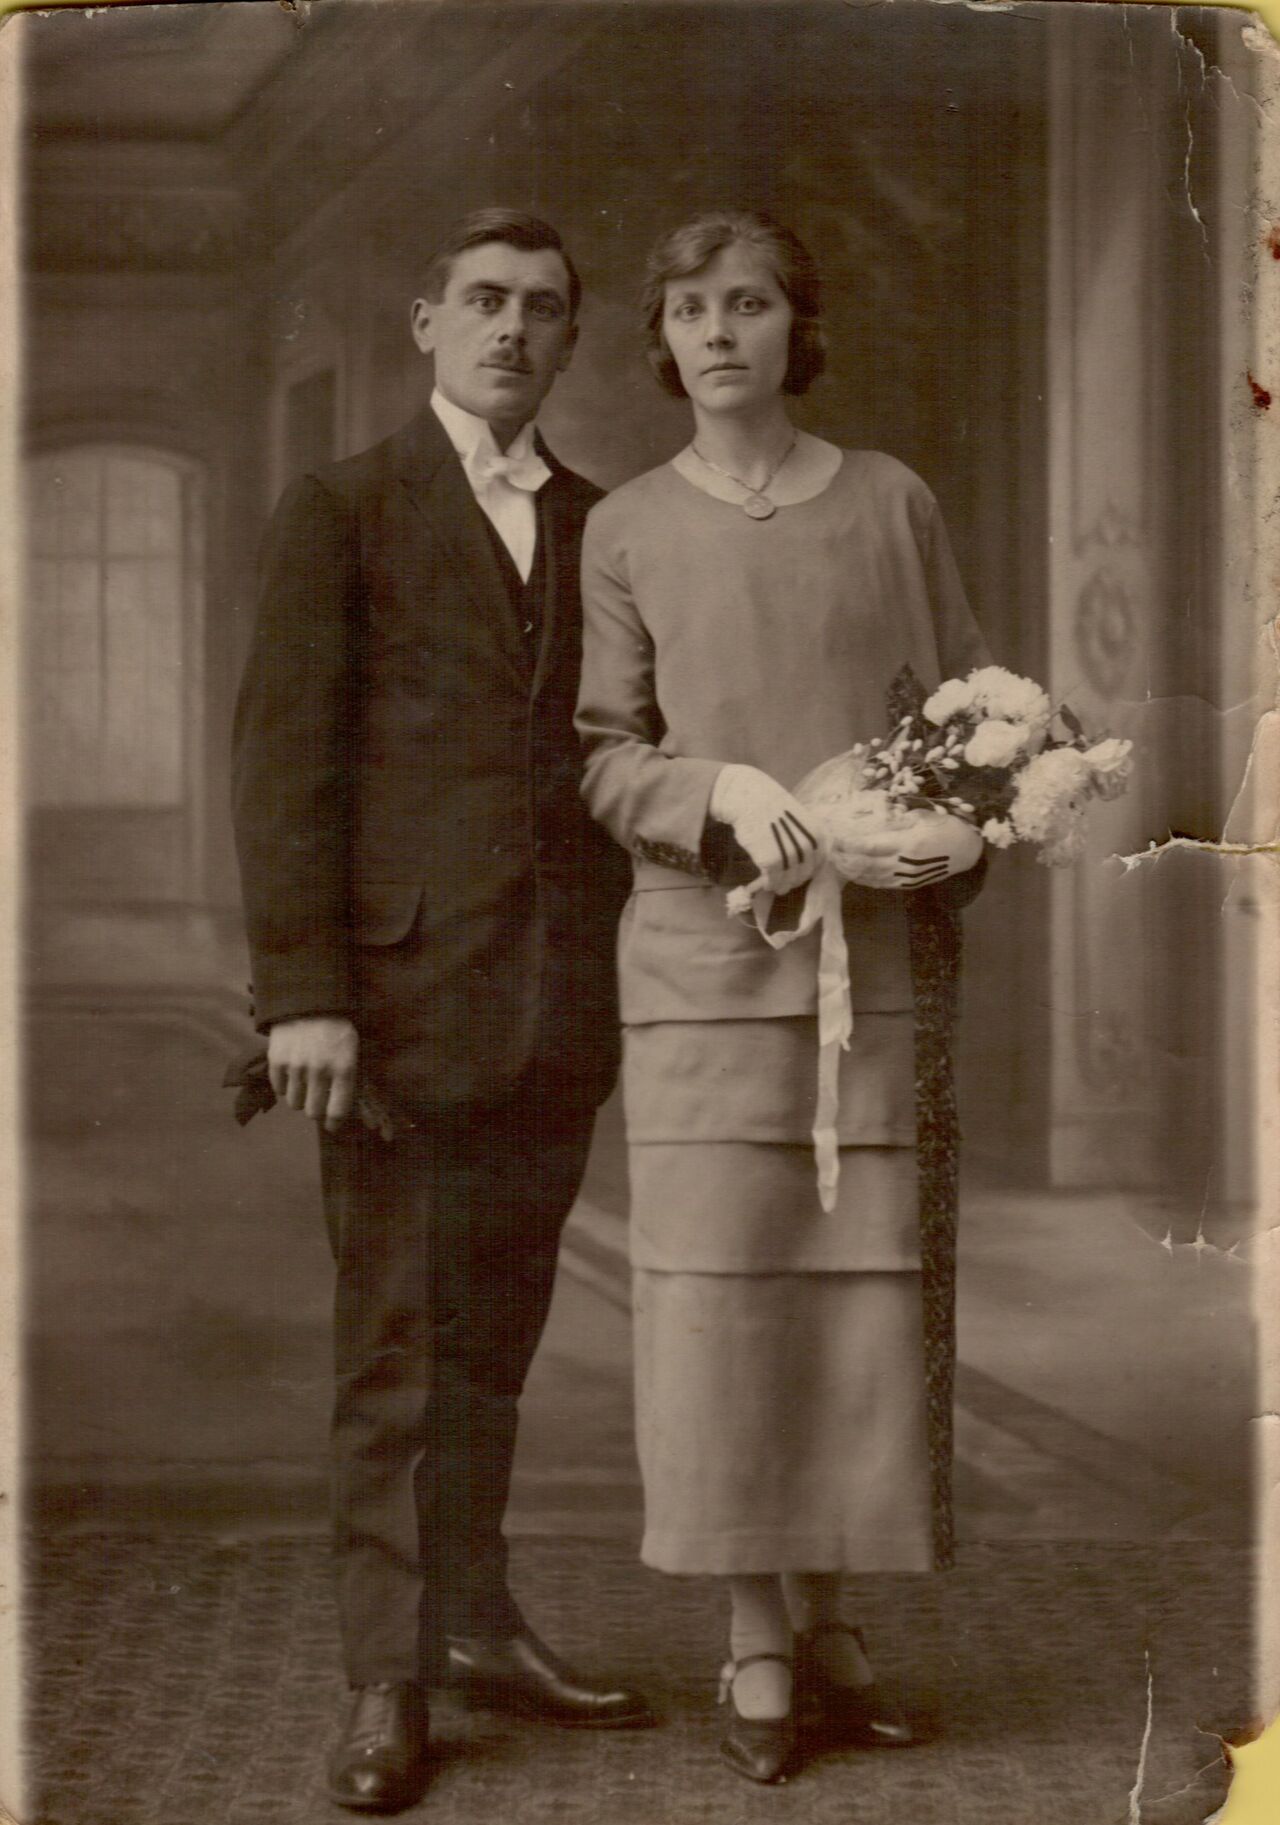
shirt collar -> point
(473, 437)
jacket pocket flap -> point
(385, 910)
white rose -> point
(996, 743)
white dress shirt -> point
(504, 484)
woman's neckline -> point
(808, 472)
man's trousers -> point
(445, 1241)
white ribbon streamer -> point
(835, 1004)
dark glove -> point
(247, 1076)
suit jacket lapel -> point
(556, 532)
(438, 487)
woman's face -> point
(728, 326)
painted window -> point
(110, 628)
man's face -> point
(501, 332)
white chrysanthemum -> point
(1112, 763)
(950, 699)
(998, 832)
(1049, 788)
(997, 692)
(1016, 700)
(996, 743)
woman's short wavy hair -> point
(685, 249)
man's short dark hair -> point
(684, 249)
(511, 226)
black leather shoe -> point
(380, 1762)
(758, 1748)
(522, 1675)
(862, 1716)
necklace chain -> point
(758, 493)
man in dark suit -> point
(431, 915)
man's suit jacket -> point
(413, 847)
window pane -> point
(62, 766)
(64, 604)
(142, 724)
(144, 508)
(64, 495)
(63, 726)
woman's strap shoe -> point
(380, 1761)
(758, 1748)
(864, 1716)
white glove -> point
(930, 848)
(774, 829)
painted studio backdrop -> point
(1032, 236)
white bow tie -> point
(527, 472)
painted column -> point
(1107, 141)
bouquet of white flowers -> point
(985, 749)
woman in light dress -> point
(746, 608)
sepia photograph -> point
(645, 761)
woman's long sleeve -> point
(961, 647)
(654, 804)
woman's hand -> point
(929, 849)
(774, 829)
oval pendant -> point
(758, 507)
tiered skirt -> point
(780, 1391)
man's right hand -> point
(312, 1066)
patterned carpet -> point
(183, 1682)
